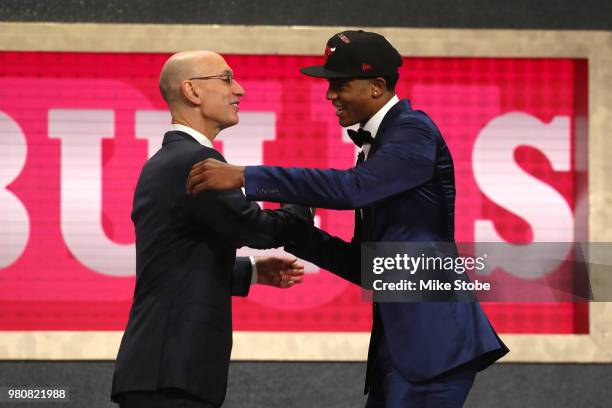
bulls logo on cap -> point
(357, 54)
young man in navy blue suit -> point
(422, 354)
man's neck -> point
(199, 125)
(372, 124)
(384, 100)
(380, 102)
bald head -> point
(200, 91)
(182, 66)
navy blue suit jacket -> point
(406, 189)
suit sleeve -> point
(405, 160)
(332, 253)
(242, 222)
(241, 277)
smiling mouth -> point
(235, 105)
(339, 110)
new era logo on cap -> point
(344, 38)
(357, 54)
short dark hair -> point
(391, 81)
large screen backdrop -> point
(77, 125)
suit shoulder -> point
(194, 152)
(413, 117)
(417, 120)
(178, 157)
(204, 152)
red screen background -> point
(47, 288)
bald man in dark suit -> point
(176, 348)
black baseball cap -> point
(357, 54)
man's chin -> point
(346, 123)
(230, 123)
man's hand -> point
(278, 272)
(211, 174)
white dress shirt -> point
(372, 126)
(204, 141)
(374, 122)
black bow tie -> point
(359, 137)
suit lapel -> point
(397, 109)
(361, 224)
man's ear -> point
(190, 92)
(378, 87)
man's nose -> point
(330, 95)
(238, 89)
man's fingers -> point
(200, 174)
(195, 188)
(193, 183)
(293, 281)
(197, 169)
(195, 179)
(190, 177)
(286, 281)
(204, 162)
(292, 263)
(294, 275)
(197, 183)
(199, 188)
(209, 163)
(288, 284)
(200, 167)
(298, 269)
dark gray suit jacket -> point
(179, 333)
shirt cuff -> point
(253, 270)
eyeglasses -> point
(227, 78)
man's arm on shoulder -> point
(406, 159)
(244, 223)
